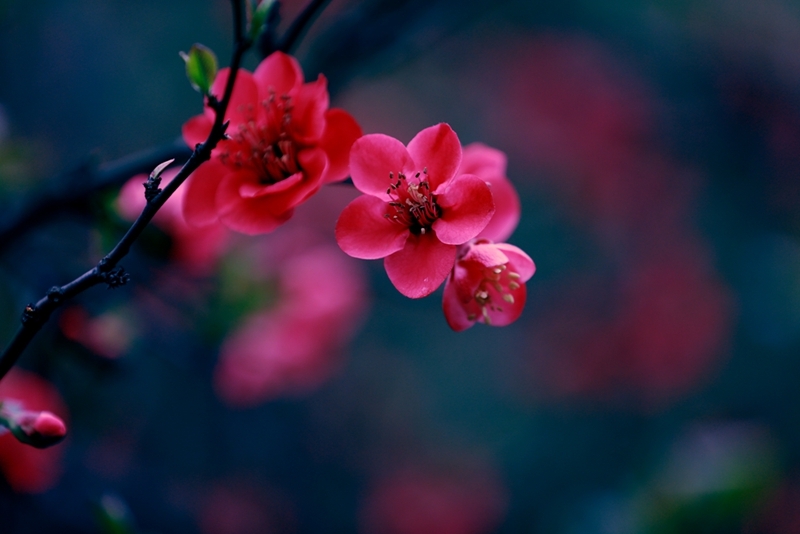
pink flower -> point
(489, 164)
(109, 334)
(284, 145)
(27, 469)
(428, 501)
(293, 347)
(195, 248)
(487, 285)
(416, 208)
(656, 336)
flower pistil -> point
(272, 153)
(414, 204)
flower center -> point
(412, 203)
(263, 144)
(500, 281)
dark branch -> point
(300, 25)
(36, 314)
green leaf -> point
(260, 16)
(201, 67)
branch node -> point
(116, 277)
(55, 295)
(28, 314)
(151, 188)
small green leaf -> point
(201, 67)
(260, 16)
(113, 515)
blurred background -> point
(650, 385)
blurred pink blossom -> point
(663, 333)
(417, 501)
(489, 164)
(293, 346)
(109, 335)
(588, 120)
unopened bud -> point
(38, 429)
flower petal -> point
(242, 106)
(482, 160)
(454, 310)
(363, 232)
(199, 205)
(372, 158)
(506, 312)
(196, 130)
(467, 207)
(313, 163)
(308, 111)
(257, 189)
(487, 254)
(247, 206)
(421, 266)
(279, 73)
(438, 149)
(341, 131)
(246, 214)
(507, 209)
(251, 221)
(518, 261)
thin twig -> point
(107, 271)
(300, 24)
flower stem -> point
(300, 24)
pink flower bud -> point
(38, 429)
(49, 425)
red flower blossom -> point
(489, 164)
(416, 208)
(487, 284)
(27, 469)
(284, 145)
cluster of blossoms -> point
(433, 210)
(658, 326)
(436, 212)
